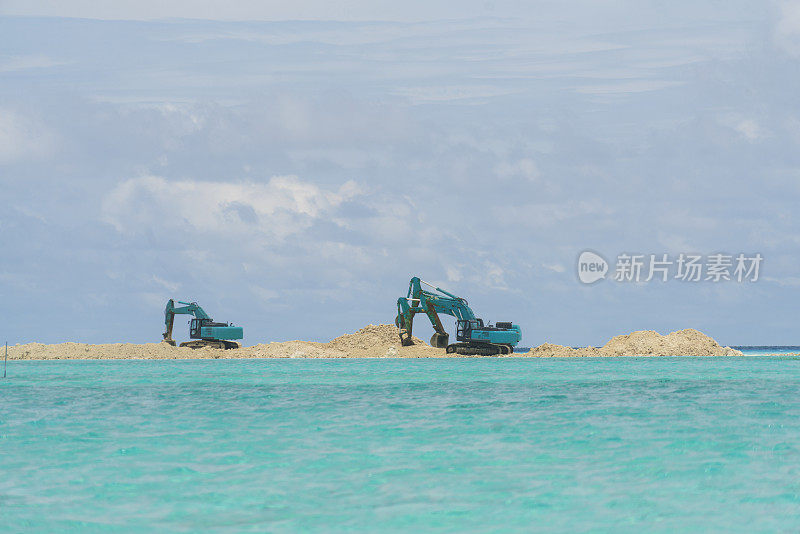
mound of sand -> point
(687, 342)
(372, 341)
(114, 351)
(369, 337)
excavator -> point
(202, 329)
(473, 336)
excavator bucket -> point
(403, 329)
(440, 340)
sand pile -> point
(369, 337)
(372, 341)
(115, 351)
(83, 351)
(687, 342)
(382, 338)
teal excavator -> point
(474, 338)
(203, 331)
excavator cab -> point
(209, 330)
(465, 327)
(194, 328)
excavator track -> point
(488, 349)
(202, 343)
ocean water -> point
(450, 445)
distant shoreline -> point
(457, 357)
(374, 341)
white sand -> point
(687, 342)
(372, 341)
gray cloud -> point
(298, 173)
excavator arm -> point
(188, 308)
(431, 303)
(472, 336)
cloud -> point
(172, 287)
(283, 206)
(256, 9)
(542, 215)
(495, 276)
(428, 94)
(787, 31)
(259, 9)
(626, 86)
(22, 137)
(264, 294)
(555, 267)
(750, 129)
(453, 274)
(503, 160)
(524, 168)
(17, 63)
(786, 281)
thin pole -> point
(5, 361)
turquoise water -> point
(627, 444)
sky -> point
(291, 167)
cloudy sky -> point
(290, 167)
